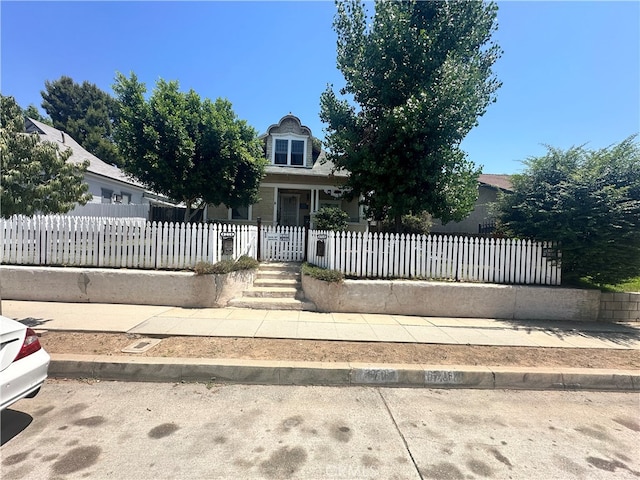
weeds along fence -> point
(120, 242)
(473, 259)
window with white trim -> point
(289, 150)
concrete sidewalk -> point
(240, 322)
(244, 322)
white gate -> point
(282, 244)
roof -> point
(79, 154)
(321, 168)
(304, 128)
(503, 182)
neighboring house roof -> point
(503, 182)
(79, 154)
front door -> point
(289, 209)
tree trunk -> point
(398, 223)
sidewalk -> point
(240, 322)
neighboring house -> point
(107, 183)
(297, 183)
(488, 187)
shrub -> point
(589, 202)
(410, 224)
(226, 266)
(331, 218)
(323, 274)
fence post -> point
(259, 242)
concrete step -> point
(272, 303)
(277, 274)
(272, 292)
(283, 267)
(276, 282)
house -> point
(107, 183)
(297, 183)
(489, 186)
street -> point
(96, 430)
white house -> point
(107, 183)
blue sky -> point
(570, 70)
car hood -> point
(12, 336)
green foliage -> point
(226, 266)
(32, 112)
(630, 285)
(189, 149)
(35, 177)
(86, 113)
(331, 218)
(420, 76)
(323, 274)
(587, 200)
(409, 224)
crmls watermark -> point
(349, 471)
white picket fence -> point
(436, 257)
(119, 242)
(136, 243)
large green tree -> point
(419, 76)
(589, 201)
(35, 175)
(192, 150)
(85, 112)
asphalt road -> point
(100, 430)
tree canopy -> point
(589, 201)
(85, 112)
(419, 76)
(35, 177)
(192, 150)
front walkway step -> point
(272, 303)
(273, 292)
(276, 274)
(281, 266)
(276, 282)
(277, 286)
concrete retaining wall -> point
(141, 287)
(620, 307)
(439, 299)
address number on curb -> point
(442, 377)
(376, 375)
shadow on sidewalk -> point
(32, 322)
(624, 335)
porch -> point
(291, 205)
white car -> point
(23, 362)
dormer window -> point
(289, 150)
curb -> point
(264, 372)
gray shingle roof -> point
(496, 180)
(79, 154)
